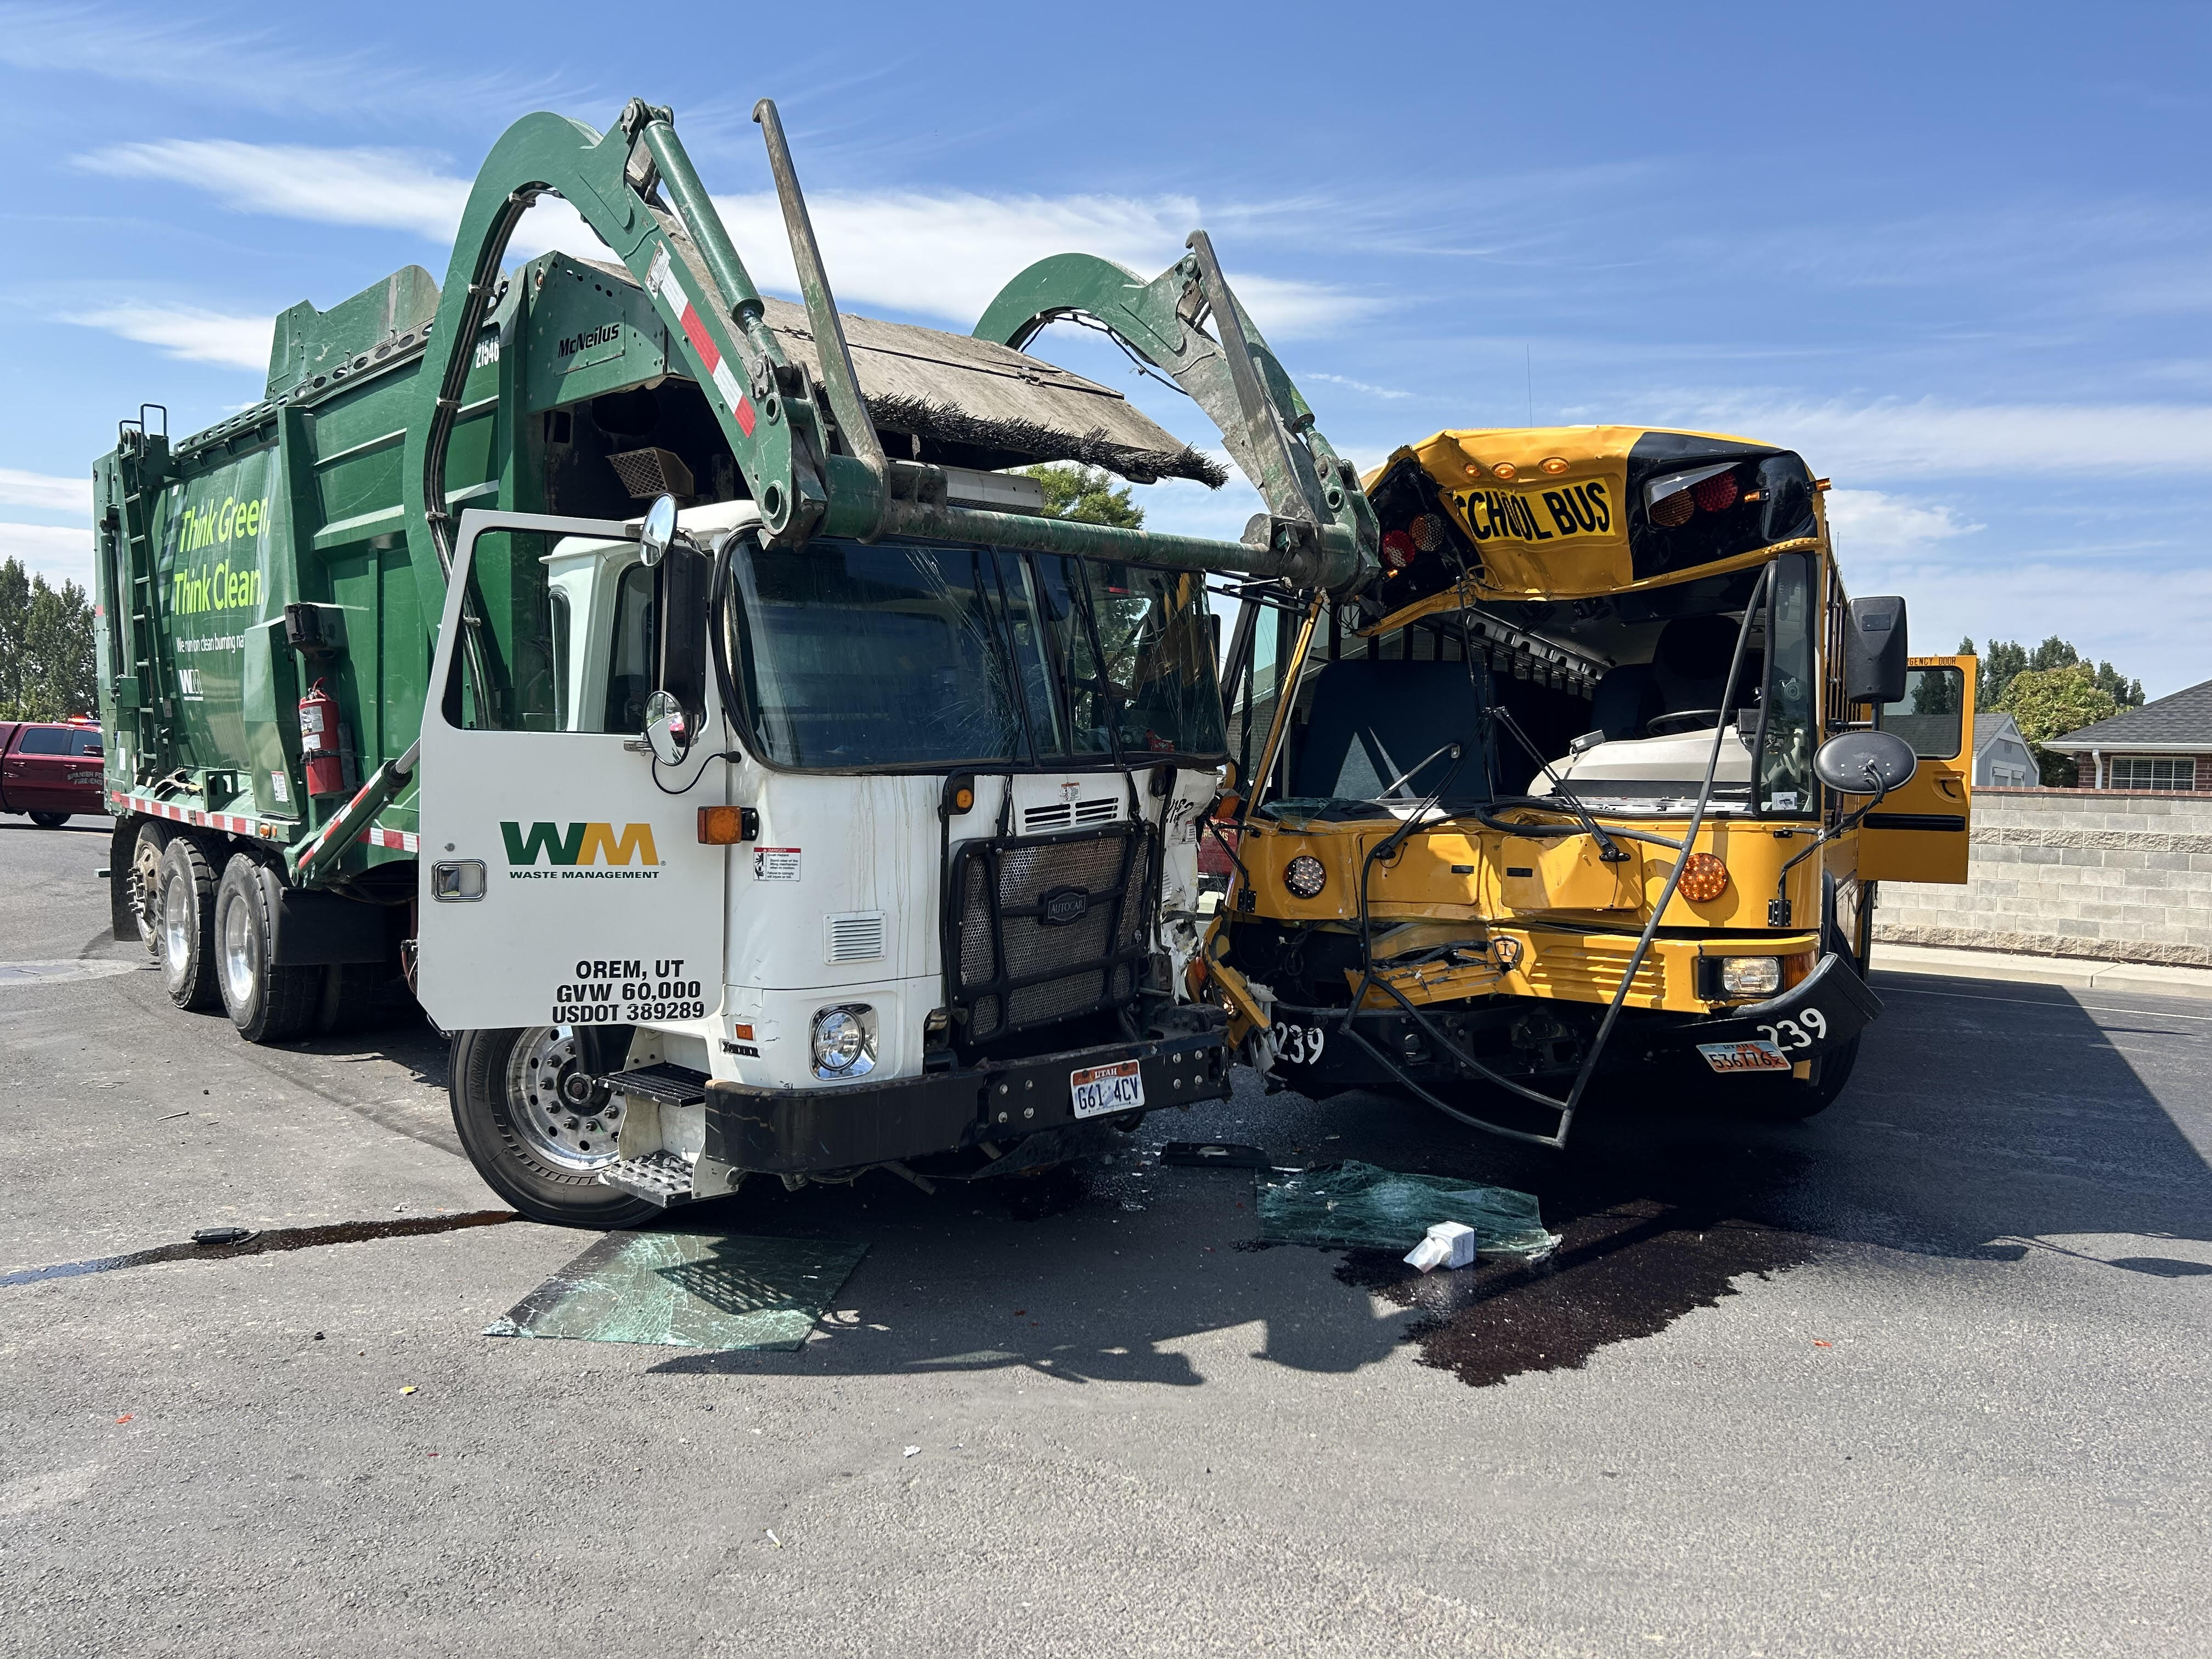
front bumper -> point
(1546, 1034)
(803, 1131)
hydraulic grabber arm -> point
(1317, 513)
(809, 456)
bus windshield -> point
(906, 656)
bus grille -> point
(1049, 927)
(1588, 970)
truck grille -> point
(1046, 928)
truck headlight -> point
(1751, 976)
(1304, 876)
(844, 1041)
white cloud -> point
(1356, 386)
(57, 552)
(942, 255)
(1892, 438)
(193, 58)
(186, 332)
(42, 491)
(395, 189)
(2149, 622)
(1870, 521)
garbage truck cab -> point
(1597, 782)
(895, 869)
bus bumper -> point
(1822, 1011)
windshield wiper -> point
(1451, 749)
(1609, 851)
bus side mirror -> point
(1864, 763)
(1875, 652)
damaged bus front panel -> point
(1551, 801)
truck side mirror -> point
(658, 530)
(667, 729)
(1875, 651)
(1864, 763)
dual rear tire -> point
(214, 936)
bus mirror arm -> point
(1849, 762)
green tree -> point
(2045, 702)
(2006, 659)
(46, 661)
(1087, 493)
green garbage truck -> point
(686, 693)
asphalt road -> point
(1926, 1376)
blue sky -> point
(1956, 255)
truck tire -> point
(265, 1002)
(505, 1086)
(50, 820)
(352, 997)
(186, 941)
(145, 880)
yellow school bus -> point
(1593, 786)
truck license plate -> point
(1756, 1056)
(1098, 1089)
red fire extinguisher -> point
(318, 742)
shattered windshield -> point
(899, 655)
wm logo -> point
(584, 843)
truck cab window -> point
(636, 649)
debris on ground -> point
(1362, 1206)
(1449, 1244)
(1213, 1155)
(689, 1289)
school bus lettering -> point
(1561, 512)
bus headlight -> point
(1304, 876)
(1751, 976)
(844, 1041)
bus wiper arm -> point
(1451, 749)
(1608, 850)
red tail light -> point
(1717, 493)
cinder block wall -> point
(2071, 873)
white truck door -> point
(560, 885)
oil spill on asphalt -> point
(276, 1238)
(1644, 1242)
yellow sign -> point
(1538, 512)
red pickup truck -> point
(49, 770)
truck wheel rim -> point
(239, 969)
(558, 1112)
(176, 929)
(145, 898)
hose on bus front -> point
(1567, 1108)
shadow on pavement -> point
(1982, 1123)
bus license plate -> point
(1756, 1056)
(1098, 1089)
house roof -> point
(1989, 727)
(2182, 720)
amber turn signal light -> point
(1705, 878)
(725, 826)
(1554, 464)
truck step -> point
(670, 1085)
(659, 1178)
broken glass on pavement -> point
(1364, 1206)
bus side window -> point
(1931, 716)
